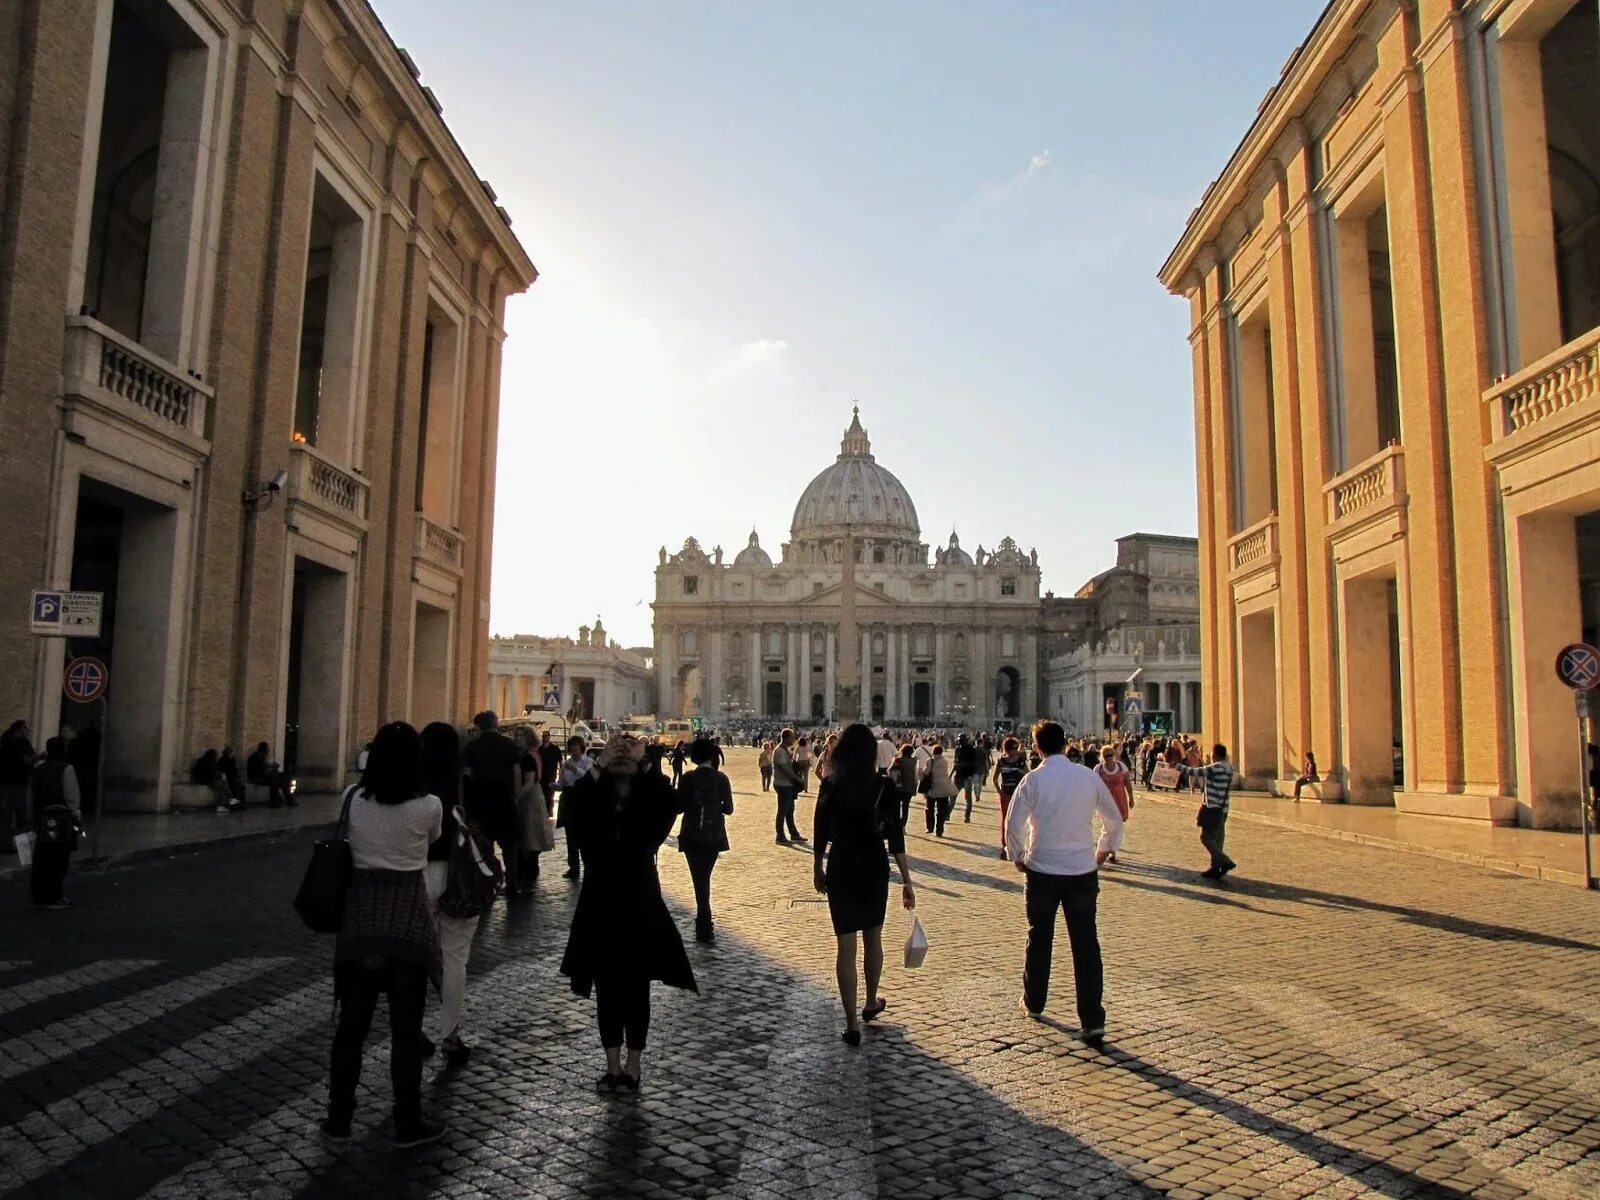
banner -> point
(1165, 777)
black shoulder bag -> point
(320, 900)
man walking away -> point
(1050, 834)
(57, 807)
(1217, 776)
(786, 782)
(969, 772)
(494, 772)
(887, 752)
(578, 765)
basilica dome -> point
(753, 555)
(858, 491)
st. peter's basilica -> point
(954, 640)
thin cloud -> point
(763, 348)
(1039, 162)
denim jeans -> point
(1078, 895)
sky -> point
(748, 217)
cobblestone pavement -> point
(1335, 1020)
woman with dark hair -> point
(388, 944)
(441, 777)
(622, 936)
(857, 827)
(706, 799)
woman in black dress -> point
(622, 936)
(857, 828)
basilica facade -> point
(949, 637)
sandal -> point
(607, 1082)
(873, 1011)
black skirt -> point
(858, 892)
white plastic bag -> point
(24, 844)
(916, 944)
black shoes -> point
(873, 1011)
(1211, 873)
(607, 1083)
(570, 873)
(852, 1037)
(427, 1046)
(1094, 1038)
(456, 1052)
(337, 1132)
(781, 842)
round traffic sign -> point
(1578, 666)
(85, 680)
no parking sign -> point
(1578, 666)
(85, 680)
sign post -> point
(1578, 666)
(84, 682)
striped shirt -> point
(1218, 777)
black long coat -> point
(621, 927)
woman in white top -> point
(388, 944)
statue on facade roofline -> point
(663, 556)
(718, 555)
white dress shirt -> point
(887, 753)
(923, 756)
(1050, 824)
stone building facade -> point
(1143, 615)
(1395, 296)
(587, 676)
(951, 640)
(251, 307)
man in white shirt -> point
(887, 752)
(923, 756)
(1050, 833)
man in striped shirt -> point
(1217, 776)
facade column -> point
(830, 675)
(891, 676)
(905, 673)
(805, 670)
(666, 695)
(940, 700)
(867, 686)
(793, 642)
(756, 691)
(714, 680)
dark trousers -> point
(939, 812)
(358, 989)
(622, 1008)
(905, 808)
(1301, 782)
(1212, 839)
(701, 861)
(766, 779)
(1078, 895)
(785, 816)
(48, 873)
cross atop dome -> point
(856, 444)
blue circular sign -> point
(1578, 666)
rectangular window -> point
(1367, 360)
(691, 585)
(1256, 468)
(144, 223)
(329, 319)
(1008, 587)
(441, 415)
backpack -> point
(706, 820)
(57, 827)
(905, 774)
(1011, 774)
(474, 874)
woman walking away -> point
(1008, 773)
(1308, 773)
(857, 827)
(388, 943)
(706, 799)
(622, 935)
(441, 777)
(940, 790)
(1118, 781)
(56, 807)
(903, 778)
(764, 761)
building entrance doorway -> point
(1007, 690)
(430, 665)
(819, 707)
(314, 699)
(879, 708)
(1370, 637)
(774, 705)
(922, 701)
(124, 547)
(1258, 754)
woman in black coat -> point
(622, 936)
(857, 827)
